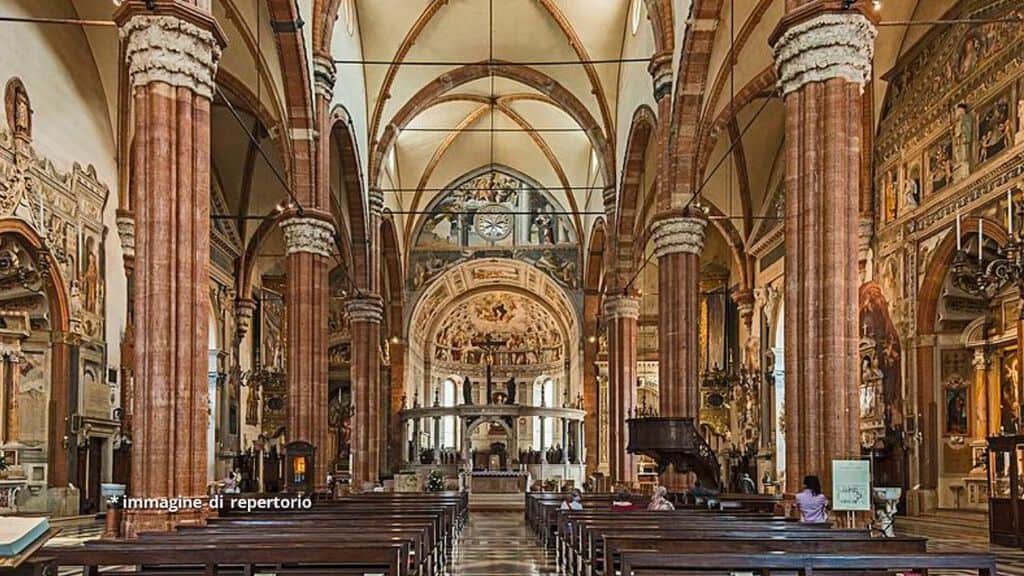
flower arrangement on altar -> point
(435, 481)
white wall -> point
(70, 121)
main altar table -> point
(498, 482)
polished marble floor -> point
(499, 543)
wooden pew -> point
(753, 543)
(642, 563)
(397, 536)
(212, 559)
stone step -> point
(514, 502)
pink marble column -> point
(172, 55)
(824, 59)
(678, 241)
(621, 314)
(365, 314)
(310, 242)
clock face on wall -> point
(493, 222)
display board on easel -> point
(851, 487)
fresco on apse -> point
(519, 330)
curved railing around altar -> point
(491, 411)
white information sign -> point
(851, 485)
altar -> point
(484, 482)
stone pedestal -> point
(365, 315)
(621, 314)
(310, 242)
(171, 55)
(823, 60)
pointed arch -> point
(348, 188)
(641, 135)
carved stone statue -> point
(467, 391)
(963, 138)
(510, 387)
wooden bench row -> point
(390, 534)
(599, 541)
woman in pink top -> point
(813, 505)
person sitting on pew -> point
(623, 501)
(702, 495)
(572, 501)
(813, 505)
(659, 501)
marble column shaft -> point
(310, 241)
(621, 314)
(823, 60)
(365, 315)
(171, 55)
(678, 242)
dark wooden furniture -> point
(638, 563)
(1005, 504)
(675, 441)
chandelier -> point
(985, 278)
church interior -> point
(511, 286)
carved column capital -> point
(365, 308)
(170, 49)
(324, 76)
(829, 45)
(675, 234)
(981, 359)
(744, 299)
(621, 307)
(661, 73)
(308, 234)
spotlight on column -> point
(591, 339)
(283, 205)
(395, 340)
(877, 5)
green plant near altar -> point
(435, 481)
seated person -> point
(572, 501)
(813, 505)
(659, 502)
(702, 495)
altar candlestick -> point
(959, 245)
(981, 239)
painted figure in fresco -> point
(545, 229)
(940, 165)
(963, 138)
(956, 411)
(911, 190)
(1010, 405)
(91, 280)
(889, 186)
(994, 131)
